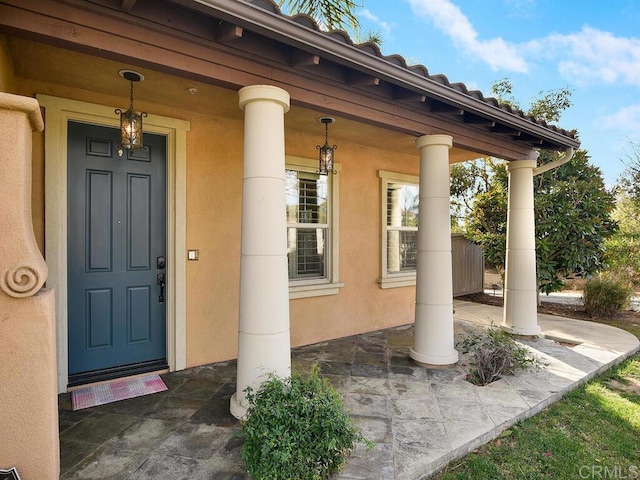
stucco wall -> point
(214, 183)
(361, 304)
(10, 84)
(214, 189)
(29, 414)
(214, 186)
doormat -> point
(115, 391)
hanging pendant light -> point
(326, 153)
(130, 120)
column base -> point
(439, 360)
(236, 408)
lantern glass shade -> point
(326, 152)
(130, 128)
(130, 120)
(326, 159)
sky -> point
(591, 47)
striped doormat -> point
(115, 391)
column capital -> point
(264, 92)
(429, 140)
(516, 164)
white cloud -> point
(593, 55)
(626, 119)
(385, 26)
(584, 57)
(447, 17)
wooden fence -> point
(468, 266)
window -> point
(400, 199)
(312, 248)
(307, 224)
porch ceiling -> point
(44, 64)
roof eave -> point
(282, 28)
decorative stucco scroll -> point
(22, 268)
(21, 281)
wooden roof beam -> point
(499, 128)
(359, 79)
(408, 96)
(445, 108)
(300, 58)
(472, 119)
(529, 139)
(228, 32)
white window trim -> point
(331, 284)
(400, 279)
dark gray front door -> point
(116, 247)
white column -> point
(521, 291)
(433, 336)
(263, 338)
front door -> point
(116, 250)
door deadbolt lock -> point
(161, 263)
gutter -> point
(568, 155)
(282, 28)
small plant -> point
(297, 428)
(606, 294)
(494, 353)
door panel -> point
(116, 230)
(98, 241)
(139, 314)
(99, 318)
(138, 241)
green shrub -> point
(607, 293)
(297, 428)
(494, 353)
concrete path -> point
(567, 297)
(419, 418)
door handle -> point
(161, 281)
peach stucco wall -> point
(28, 405)
(361, 304)
(9, 84)
(214, 183)
(214, 189)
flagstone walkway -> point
(419, 418)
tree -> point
(330, 14)
(622, 250)
(468, 180)
(333, 15)
(629, 181)
(572, 206)
(487, 218)
(573, 220)
(572, 214)
(548, 106)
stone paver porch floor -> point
(420, 418)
